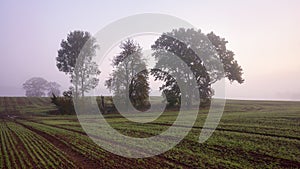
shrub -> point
(63, 104)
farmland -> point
(251, 134)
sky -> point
(264, 35)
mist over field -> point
(149, 84)
(263, 36)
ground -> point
(251, 134)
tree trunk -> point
(103, 105)
(76, 87)
(82, 80)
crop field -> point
(251, 134)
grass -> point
(24, 105)
(251, 134)
(25, 149)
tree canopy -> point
(129, 78)
(39, 87)
(76, 59)
(180, 43)
(53, 89)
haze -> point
(264, 35)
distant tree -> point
(53, 88)
(168, 46)
(35, 87)
(39, 87)
(84, 77)
(125, 81)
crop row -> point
(24, 149)
(84, 145)
(7, 149)
(229, 148)
(77, 142)
(173, 157)
(178, 155)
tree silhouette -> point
(83, 70)
(35, 87)
(39, 87)
(126, 81)
(179, 43)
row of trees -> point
(127, 82)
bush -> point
(64, 104)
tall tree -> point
(179, 43)
(82, 69)
(129, 77)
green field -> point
(251, 134)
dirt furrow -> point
(258, 157)
(231, 130)
(20, 146)
(8, 150)
(3, 148)
(160, 159)
(14, 152)
(79, 159)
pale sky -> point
(264, 35)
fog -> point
(263, 35)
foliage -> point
(171, 98)
(38, 87)
(68, 93)
(180, 44)
(53, 88)
(35, 87)
(76, 59)
(129, 78)
(232, 70)
(26, 149)
(64, 104)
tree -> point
(179, 43)
(35, 87)
(129, 77)
(232, 70)
(39, 87)
(53, 88)
(63, 104)
(82, 69)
